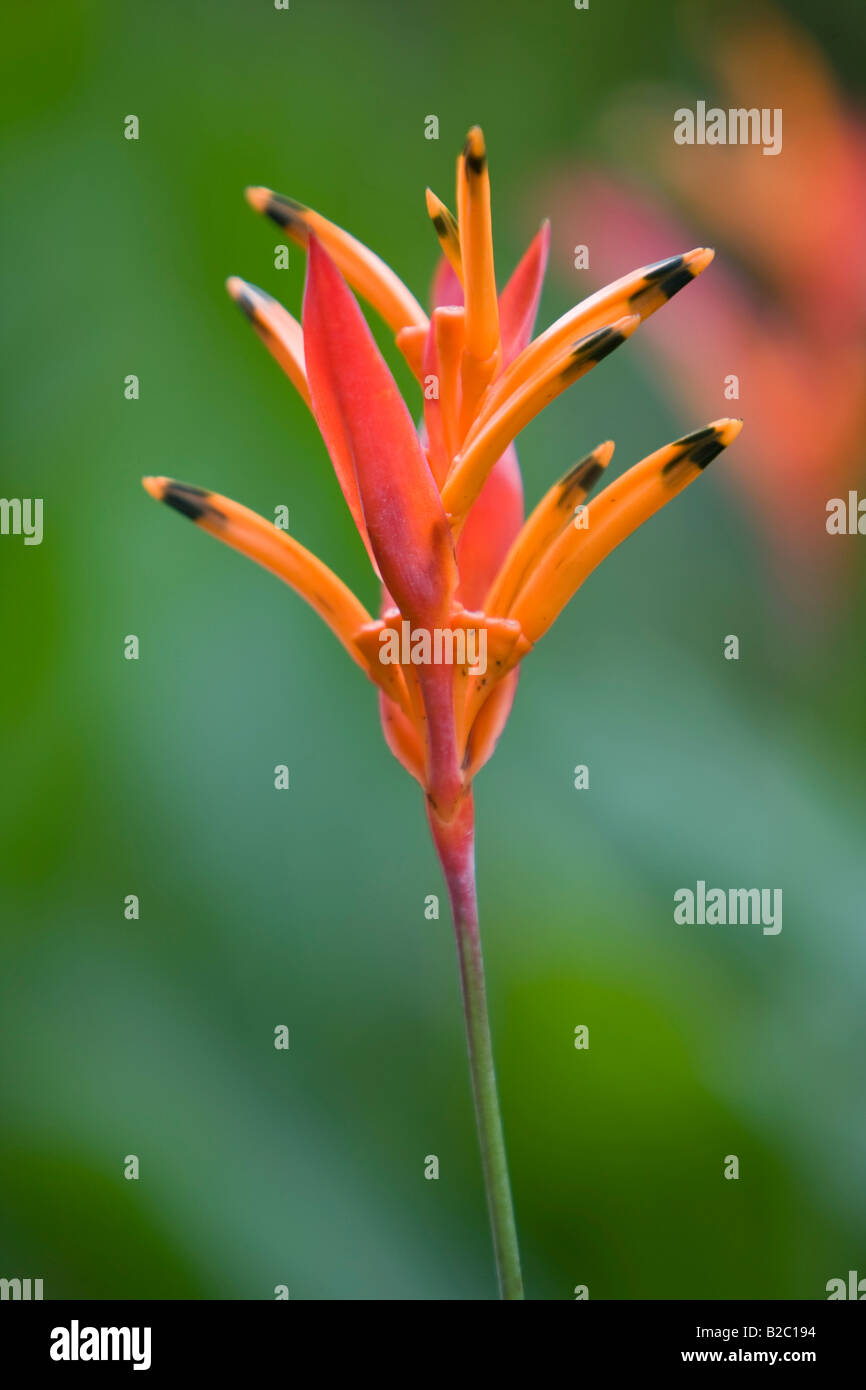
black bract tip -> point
(669, 276)
(698, 449)
(475, 163)
(250, 309)
(661, 269)
(677, 280)
(582, 478)
(702, 454)
(246, 304)
(599, 344)
(188, 500)
(284, 211)
(698, 436)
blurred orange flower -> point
(789, 321)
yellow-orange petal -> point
(253, 536)
(449, 329)
(365, 271)
(473, 464)
(446, 229)
(411, 343)
(476, 242)
(610, 517)
(553, 513)
(281, 334)
(642, 292)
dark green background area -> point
(305, 908)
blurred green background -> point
(305, 908)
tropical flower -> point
(440, 511)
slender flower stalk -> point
(440, 511)
(455, 844)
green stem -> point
(455, 844)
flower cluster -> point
(440, 508)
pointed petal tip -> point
(245, 294)
(237, 287)
(727, 429)
(191, 502)
(582, 478)
(604, 340)
(286, 212)
(698, 259)
(701, 447)
(670, 276)
(438, 212)
(258, 197)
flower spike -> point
(468, 587)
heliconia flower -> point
(440, 510)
